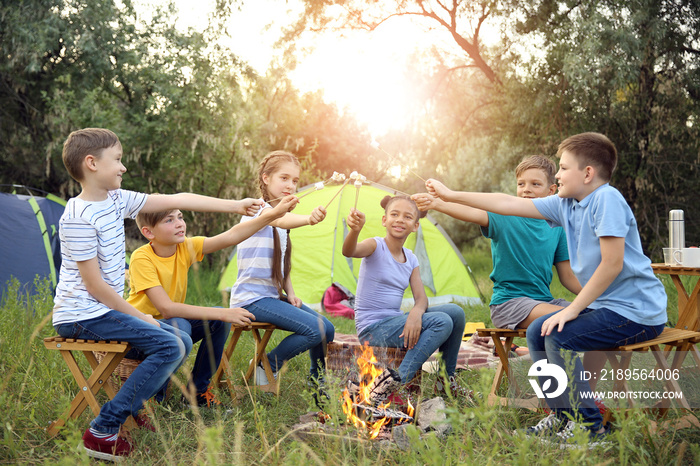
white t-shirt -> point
(88, 230)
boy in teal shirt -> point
(523, 250)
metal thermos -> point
(676, 229)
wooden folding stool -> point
(98, 379)
(678, 339)
(260, 356)
(503, 352)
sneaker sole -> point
(102, 456)
(574, 446)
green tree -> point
(626, 69)
(175, 99)
(629, 70)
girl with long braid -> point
(263, 286)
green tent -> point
(317, 260)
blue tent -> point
(29, 243)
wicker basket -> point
(125, 367)
(341, 357)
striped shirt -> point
(254, 280)
(88, 230)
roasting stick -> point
(358, 184)
(339, 191)
(376, 145)
(318, 186)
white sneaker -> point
(547, 426)
(564, 439)
(260, 377)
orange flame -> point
(369, 370)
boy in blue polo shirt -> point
(621, 301)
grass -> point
(36, 387)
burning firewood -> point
(383, 386)
(392, 415)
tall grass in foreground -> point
(36, 387)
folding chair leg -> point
(261, 356)
(88, 387)
(225, 365)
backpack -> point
(338, 301)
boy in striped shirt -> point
(89, 303)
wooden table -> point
(688, 304)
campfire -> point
(373, 406)
(367, 401)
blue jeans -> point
(310, 331)
(164, 353)
(593, 329)
(213, 335)
(442, 328)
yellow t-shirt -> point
(147, 270)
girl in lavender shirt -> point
(387, 269)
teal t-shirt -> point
(523, 251)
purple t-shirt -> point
(381, 285)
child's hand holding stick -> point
(425, 201)
(437, 189)
(318, 214)
(355, 220)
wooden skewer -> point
(393, 159)
(357, 193)
(336, 194)
(305, 194)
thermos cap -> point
(675, 215)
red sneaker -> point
(103, 449)
(601, 406)
(144, 422)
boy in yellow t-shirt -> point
(158, 279)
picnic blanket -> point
(477, 352)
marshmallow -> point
(319, 185)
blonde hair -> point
(269, 165)
(84, 142)
(538, 162)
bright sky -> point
(362, 73)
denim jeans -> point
(310, 331)
(593, 329)
(213, 335)
(164, 353)
(442, 328)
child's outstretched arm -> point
(290, 221)
(492, 202)
(567, 277)
(244, 230)
(612, 252)
(355, 222)
(101, 291)
(169, 309)
(414, 322)
(426, 201)
(198, 203)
